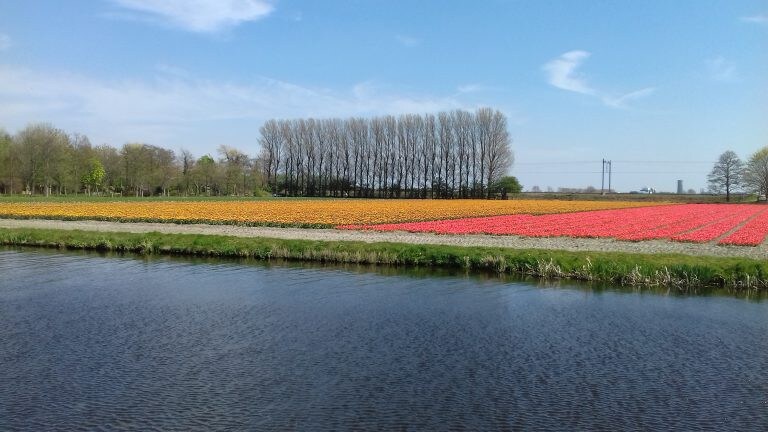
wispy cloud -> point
(756, 19)
(408, 41)
(562, 73)
(5, 42)
(203, 16)
(721, 69)
(175, 101)
(471, 88)
(622, 100)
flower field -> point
(734, 224)
(315, 213)
(697, 223)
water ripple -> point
(94, 343)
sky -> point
(661, 88)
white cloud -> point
(721, 69)
(562, 72)
(470, 88)
(174, 103)
(621, 100)
(756, 19)
(408, 41)
(204, 16)
(5, 42)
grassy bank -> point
(680, 272)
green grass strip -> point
(681, 272)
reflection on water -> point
(415, 272)
(122, 343)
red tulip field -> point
(726, 224)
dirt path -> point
(557, 243)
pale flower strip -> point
(326, 212)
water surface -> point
(119, 343)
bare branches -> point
(726, 175)
(451, 155)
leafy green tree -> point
(507, 185)
(112, 162)
(204, 174)
(41, 149)
(136, 166)
(93, 178)
(6, 163)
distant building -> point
(680, 187)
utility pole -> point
(602, 179)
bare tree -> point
(726, 174)
(271, 142)
(452, 154)
(187, 163)
(499, 156)
(756, 172)
(447, 160)
(392, 155)
(429, 150)
(236, 169)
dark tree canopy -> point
(507, 184)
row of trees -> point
(46, 160)
(730, 174)
(451, 154)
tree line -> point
(41, 159)
(452, 154)
(730, 174)
(447, 155)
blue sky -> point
(659, 87)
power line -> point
(668, 161)
(554, 163)
(558, 172)
(616, 161)
(617, 172)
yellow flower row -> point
(300, 212)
